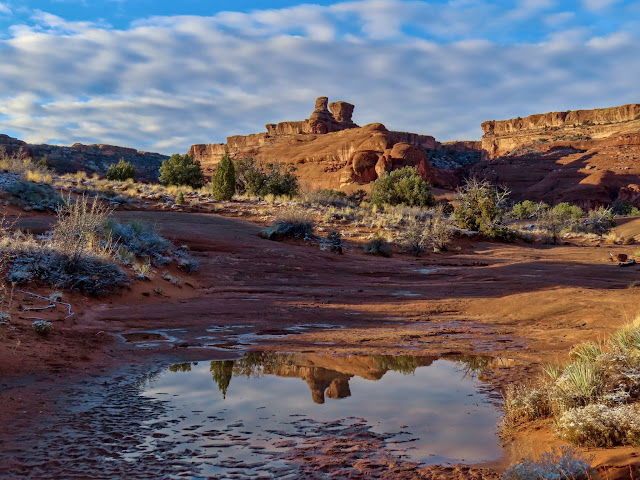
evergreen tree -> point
(181, 170)
(120, 172)
(223, 182)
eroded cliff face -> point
(586, 157)
(89, 158)
(330, 151)
(502, 137)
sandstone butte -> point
(330, 151)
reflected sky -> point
(433, 403)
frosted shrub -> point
(598, 425)
(42, 327)
(561, 464)
(526, 404)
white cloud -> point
(598, 4)
(167, 82)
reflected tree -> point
(405, 364)
(222, 371)
(180, 367)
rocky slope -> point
(330, 151)
(586, 157)
(90, 158)
(500, 137)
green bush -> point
(566, 211)
(223, 182)
(402, 187)
(120, 172)
(377, 246)
(481, 206)
(528, 209)
(624, 208)
(327, 197)
(258, 179)
(181, 170)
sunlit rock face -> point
(501, 137)
(329, 150)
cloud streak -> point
(164, 83)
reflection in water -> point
(327, 377)
(256, 409)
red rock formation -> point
(631, 194)
(501, 137)
(329, 150)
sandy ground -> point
(525, 303)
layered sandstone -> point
(586, 157)
(501, 137)
(330, 151)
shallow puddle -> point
(247, 416)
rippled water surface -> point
(246, 414)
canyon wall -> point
(504, 136)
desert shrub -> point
(327, 197)
(223, 181)
(599, 425)
(35, 195)
(624, 208)
(414, 240)
(293, 222)
(565, 463)
(188, 264)
(335, 242)
(73, 256)
(523, 404)
(20, 162)
(89, 273)
(136, 237)
(120, 172)
(481, 207)
(565, 216)
(181, 170)
(377, 246)
(180, 198)
(595, 398)
(614, 238)
(402, 187)
(436, 232)
(527, 209)
(598, 221)
(42, 327)
(262, 179)
(567, 211)
(357, 197)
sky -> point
(160, 75)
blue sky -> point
(162, 75)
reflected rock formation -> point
(327, 377)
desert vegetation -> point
(594, 399)
(121, 172)
(181, 170)
(402, 187)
